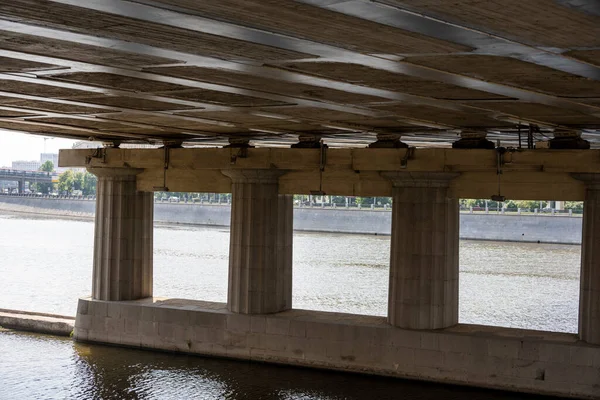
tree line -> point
(353, 201)
(69, 182)
(525, 205)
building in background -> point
(26, 165)
(35, 165)
(49, 157)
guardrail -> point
(50, 197)
(521, 211)
(20, 173)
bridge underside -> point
(278, 73)
(271, 72)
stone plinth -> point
(423, 290)
(260, 252)
(589, 294)
(123, 237)
(510, 359)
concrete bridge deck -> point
(269, 72)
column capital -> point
(592, 181)
(420, 179)
(254, 175)
(112, 172)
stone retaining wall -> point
(519, 228)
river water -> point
(45, 265)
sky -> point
(22, 146)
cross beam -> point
(525, 174)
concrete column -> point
(260, 251)
(123, 237)
(423, 292)
(589, 291)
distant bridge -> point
(20, 176)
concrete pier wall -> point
(509, 359)
(520, 228)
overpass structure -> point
(20, 177)
(425, 101)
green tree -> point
(529, 204)
(466, 203)
(379, 201)
(364, 201)
(338, 200)
(78, 181)
(574, 205)
(47, 166)
(509, 204)
(384, 200)
(89, 184)
(66, 182)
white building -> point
(35, 165)
(26, 165)
(53, 157)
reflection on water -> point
(44, 367)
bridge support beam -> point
(589, 294)
(260, 252)
(423, 291)
(123, 238)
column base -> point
(490, 357)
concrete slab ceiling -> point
(204, 72)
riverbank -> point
(539, 228)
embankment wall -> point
(502, 227)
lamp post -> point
(46, 138)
